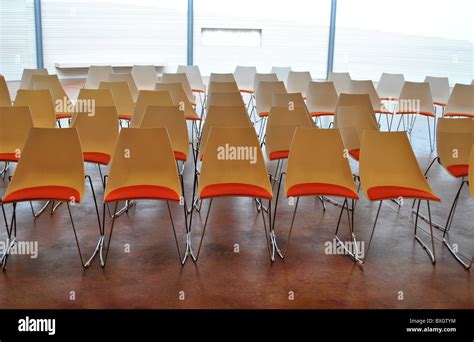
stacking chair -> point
(244, 76)
(97, 74)
(264, 96)
(321, 99)
(215, 77)
(222, 87)
(63, 106)
(390, 86)
(15, 123)
(454, 139)
(367, 87)
(298, 82)
(323, 173)
(41, 106)
(225, 100)
(282, 73)
(149, 98)
(289, 100)
(5, 99)
(174, 121)
(134, 176)
(439, 87)
(195, 80)
(389, 170)
(145, 76)
(461, 101)
(25, 82)
(180, 99)
(341, 80)
(237, 169)
(415, 99)
(123, 98)
(179, 78)
(263, 78)
(126, 77)
(46, 173)
(89, 99)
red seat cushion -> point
(466, 115)
(306, 189)
(198, 90)
(263, 114)
(63, 116)
(414, 112)
(355, 154)
(96, 157)
(234, 189)
(125, 117)
(379, 193)
(246, 91)
(458, 170)
(46, 192)
(9, 157)
(179, 156)
(192, 117)
(278, 155)
(142, 192)
(321, 113)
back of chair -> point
(25, 82)
(50, 158)
(288, 100)
(98, 132)
(145, 76)
(179, 78)
(97, 74)
(326, 165)
(282, 73)
(171, 118)
(41, 106)
(214, 77)
(233, 158)
(5, 99)
(341, 80)
(51, 82)
(225, 99)
(222, 87)
(244, 76)
(263, 78)
(139, 153)
(387, 159)
(15, 124)
(122, 96)
(363, 100)
(415, 98)
(461, 100)
(126, 77)
(286, 116)
(321, 98)
(178, 96)
(149, 98)
(454, 139)
(439, 89)
(366, 87)
(264, 94)
(298, 82)
(390, 86)
(194, 76)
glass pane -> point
(262, 33)
(17, 38)
(115, 32)
(417, 38)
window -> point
(262, 33)
(17, 38)
(416, 38)
(114, 31)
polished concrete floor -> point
(143, 270)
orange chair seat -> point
(321, 113)
(9, 157)
(312, 189)
(442, 104)
(383, 112)
(466, 115)
(63, 116)
(179, 156)
(142, 192)
(431, 114)
(234, 189)
(198, 90)
(46, 192)
(246, 91)
(379, 193)
(193, 117)
(458, 170)
(279, 155)
(96, 157)
(389, 99)
(263, 114)
(125, 117)
(355, 154)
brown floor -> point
(150, 276)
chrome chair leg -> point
(430, 252)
